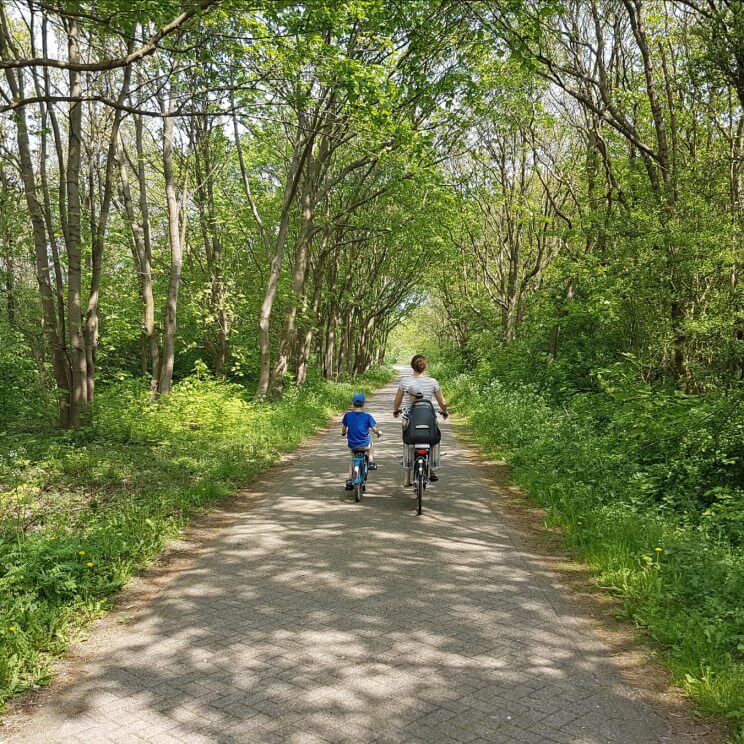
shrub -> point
(647, 488)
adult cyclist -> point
(424, 388)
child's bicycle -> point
(359, 472)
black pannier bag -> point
(422, 425)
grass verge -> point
(678, 578)
(81, 512)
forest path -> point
(309, 618)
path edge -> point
(635, 655)
(143, 587)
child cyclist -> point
(355, 426)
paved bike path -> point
(309, 618)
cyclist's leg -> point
(407, 464)
(371, 456)
(435, 462)
(407, 451)
(349, 480)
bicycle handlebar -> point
(445, 414)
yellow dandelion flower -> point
(12, 629)
(81, 552)
(89, 564)
(646, 557)
(658, 550)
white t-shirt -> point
(429, 385)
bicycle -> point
(359, 472)
(420, 471)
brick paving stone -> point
(311, 619)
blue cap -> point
(358, 399)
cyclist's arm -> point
(344, 429)
(398, 400)
(442, 403)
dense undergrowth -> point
(648, 488)
(81, 512)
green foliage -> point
(647, 488)
(80, 513)
(22, 397)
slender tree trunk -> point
(363, 359)
(43, 277)
(307, 341)
(345, 351)
(99, 237)
(264, 319)
(8, 257)
(174, 236)
(737, 219)
(144, 273)
(10, 299)
(61, 190)
(299, 278)
(48, 218)
(330, 343)
(300, 152)
(78, 392)
(152, 332)
(218, 326)
(47, 115)
(222, 325)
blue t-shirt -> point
(358, 423)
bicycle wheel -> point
(357, 478)
(419, 489)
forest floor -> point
(292, 614)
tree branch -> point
(110, 64)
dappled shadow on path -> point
(312, 618)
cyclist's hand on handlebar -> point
(396, 413)
(445, 414)
(379, 433)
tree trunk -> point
(288, 340)
(99, 236)
(150, 328)
(78, 392)
(307, 341)
(144, 274)
(61, 191)
(330, 343)
(299, 155)
(8, 257)
(264, 319)
(218, 325)
(174, 237)
(50, 328)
